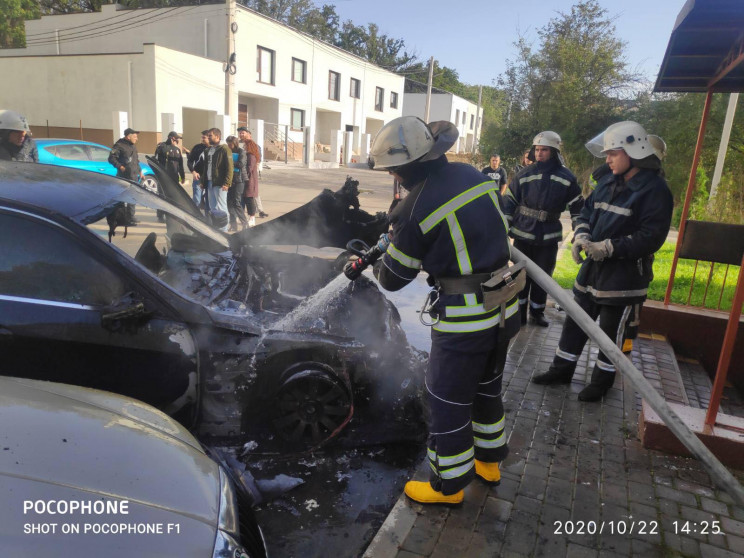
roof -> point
(706, 49)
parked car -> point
(85, 155)
(226, 337)
(65, 447)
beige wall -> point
(65, 92)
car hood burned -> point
(228, 334)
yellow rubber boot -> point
(423, 493)
(489, 472)
(627, 346)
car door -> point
(69, 313)
(99, 159)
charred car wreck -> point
(225, 335)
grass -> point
(566, 270)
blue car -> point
(85, 155)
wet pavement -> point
(577, 481)
(345, 496)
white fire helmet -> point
(11, 120)
(407, 139)
(548, 139)
(629, 136)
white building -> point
(164, 69)
(446, 106)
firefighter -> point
(451, 226)
(16, 143)
(623, 223)
(533, 204)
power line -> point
(127, 27)
(128, 14)
(63, 35)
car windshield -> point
(170, 244)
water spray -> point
(367, 255)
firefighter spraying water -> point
(368, 256)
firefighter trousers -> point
(612, 320)
(545, 257)
(466, 409)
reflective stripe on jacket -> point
(449, 225)
(547, 187)
(635, 215)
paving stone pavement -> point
(577, 481)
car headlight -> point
(225, 546)
(228, 514)
(225, 543)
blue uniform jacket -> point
(635, 216)
(450, 225)
(549, 187)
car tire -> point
(311, 406)
(151, 183)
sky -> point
(475, 37)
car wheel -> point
(311, 406)
(150, 183)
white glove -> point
(579, 242)
(598, 251)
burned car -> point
(225, 336)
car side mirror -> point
(126, 309)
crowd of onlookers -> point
(225, 175)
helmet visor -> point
(596, 145)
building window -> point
(457, 116)
(299, 70)
(379, 98)
(265, 65)
(463, 118)
(298, 119)
(334, 86)
(472, 121)
(393, 100)
(356, 88)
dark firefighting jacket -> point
(27, 152)
(170, 158)
(450, 225)
(535, 199)
(635, 216)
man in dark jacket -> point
(495, 171)
(16, 143)
(195, 155)
(533, 204)
(451, 226)
(168, 154)
(125, 158)
(623, 223)
(216, 171)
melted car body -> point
(213, 330)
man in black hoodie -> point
(125, 158)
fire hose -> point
(715, 468)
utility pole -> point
(476, 135)
(428, 90)
(723, 147)
(231, 105)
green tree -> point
(573, 82)
(14, 13)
